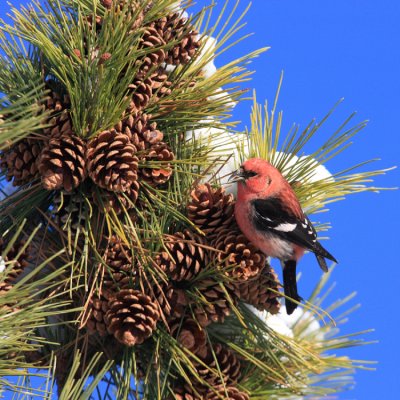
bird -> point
(269, 214)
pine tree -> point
(120, 257)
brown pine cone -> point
(132, 317)
(229, 393)
(111, 161)
(18, 264)
(121, 270)
(59, 121)
(113, 201)
(221, 367)
(153, 46)
(185, 257)
(20, 161)
(174, 28)
(257, 291)
(172, 301)
(62, 163)
(211, 209)
(211, 303)
(190, 335)
(182, 391)
(70, 210)
(97, 309)
(237, 256)
(142, 132)
(134, 15)
(161, 85)
(141, 92)
(159, 169)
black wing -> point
(270, 215)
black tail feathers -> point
(290, 285)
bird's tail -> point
(290, 285)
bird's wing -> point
(272, 216)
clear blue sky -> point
(332, 49)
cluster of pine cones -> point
(114, 163)
(191, 298)
(209, 267)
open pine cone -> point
(221, 367)
(257, 291)
(132, 317)
(211, 303)
(97, 309)
(142, 132)
(229, 393)
(171, 300)
(62, 163)
(121, 271)
(190, 335)
(20, 161)
(59, 121)
(111, 161)
(159, 169)
(237, 256)
(211, 209)
(141, 92)
(175, 29)
(153, 45)
(113, 201)
(185, 256)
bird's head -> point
(256, 177)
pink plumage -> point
(270, 215)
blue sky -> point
(328, 50)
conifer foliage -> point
(132, 260)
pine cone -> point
(113, 201)
(59, 121)
(238, 257)
(69, 210)
(172, 301)
(121, 270)
(212, 303)
(190, 335)
(97, 309)
(161, 85)
(160, 169)
(182, 391)
(211, 209)
(134, 15)
(111, 161)
(141, 131)
(229, 393)
(153, 45)
(185, 257)
(19, 262)
(20, 161)
(222, 367)
(62, 163)
(174, 28)
(257, 291)
(141, 92)
(132, 317)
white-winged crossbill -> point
(270, 216)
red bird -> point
(270, 216)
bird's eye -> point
(249, 174)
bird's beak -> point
(237, 176)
